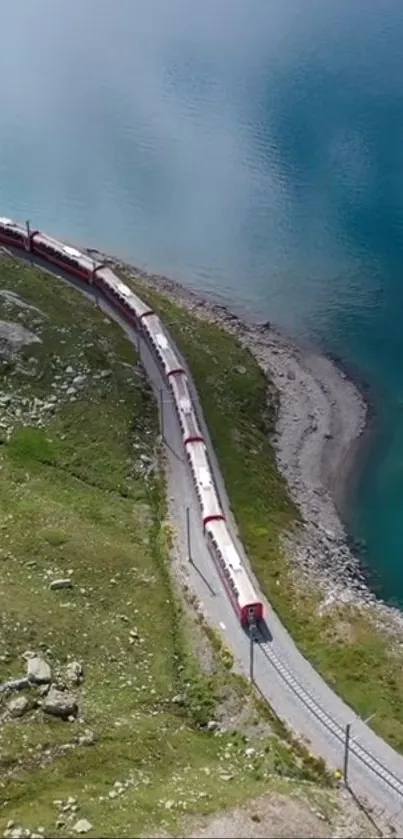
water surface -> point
(248, 147)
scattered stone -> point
(89, 738)
(43, 689)
(59, 684)
(18, 833)
(74, 673)
(19, 706)
(15, 684)
(60, 704)
(82, 826)
(38, 670)
(56, 584)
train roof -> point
(72, 251)
(203, 479)
(198, 452)
(154, 326)
(181, 386)
(186, 409)
(139, 307)
(67, 249)
(8, 222)
(219, 531)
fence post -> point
(28, 245)
(346, 752)
(188, 534)
(251, 652)
(162, 412)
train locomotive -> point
(222, 547)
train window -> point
(13, 234)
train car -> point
(226, 557)
(12, 233)
(191, 431)
(68, 258)
(120, 295)
(161, 344)
(203, 480)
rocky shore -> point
(321, 419)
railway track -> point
(359, 752)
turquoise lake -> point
(250, 148)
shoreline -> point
(325, 423)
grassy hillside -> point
(82, 500)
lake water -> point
(253, 148)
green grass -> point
(82, 495)
(356, 658)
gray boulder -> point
(38, 671)
(82, 826)
(57, 584)
(19, 706)
(60, 704)
(74, 673)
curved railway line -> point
(282, 675)
(304, 696)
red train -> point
(223, 549)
